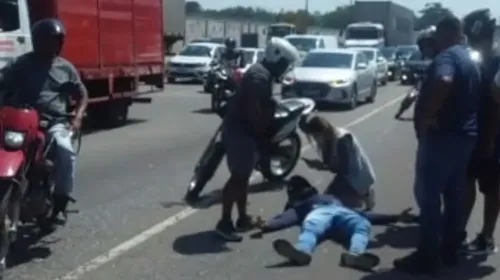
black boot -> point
(59, 214)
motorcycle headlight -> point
(13, 139)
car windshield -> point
(362, 33)
(370, 55)
(9, 16)
(389, 53)
(415, 56)
(406, 51)
(303, 44)
(327, 60)
(280, 30)
(196, 50)
(248, 56)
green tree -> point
(338, 18)
(193, 7)
(431, 14)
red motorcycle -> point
(26, 171)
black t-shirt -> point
(256, 82)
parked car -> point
(216, 40)
(378, 62)
(414, 68)
(332, 76)
(306, 42)
(193, 61)
(403, 52)
(250, 55)
(394, 66)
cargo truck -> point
(377, 24)
(115, 45)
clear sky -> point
(459, 7)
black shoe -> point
(481, 246)
(288, 251)
(225, 229)
(364, 262)
(59, 214)
(245, 223)
(416, 263)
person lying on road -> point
(323, 216)
(341, 153)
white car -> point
(251, 56)
(377, 61)
(332, 76)
(193, 61)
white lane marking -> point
(183, 214)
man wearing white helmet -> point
(245, 124)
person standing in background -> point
(484, 167)
(446, 127)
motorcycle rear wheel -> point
(215, 100)
(266, 166)
(204, 171)
(44, 221)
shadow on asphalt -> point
(395, 236)
(214, 197)
(29, 246)
(89, 129)
(468, 269)
(203, 111)
(199, 243)
(405, 119)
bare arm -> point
(81, 92)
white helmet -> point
(280, 49)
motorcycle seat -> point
(288, 106)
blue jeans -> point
(441, 170)
(324, 220)
(64, 159)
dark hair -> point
(299, 188)
(297, 181)
(316, 125)
(450, 27)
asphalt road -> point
(133, 225)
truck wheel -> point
(117, 114)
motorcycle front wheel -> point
(283, 158)
(215, 100)
(204, 171)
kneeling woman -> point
(341, 153)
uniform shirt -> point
(27, 80)
(458, 116)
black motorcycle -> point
(409, 99)
(276, 161)
(224, 87)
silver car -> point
(251, 56)
(332, 76)
(379, 62)
(193, 61)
